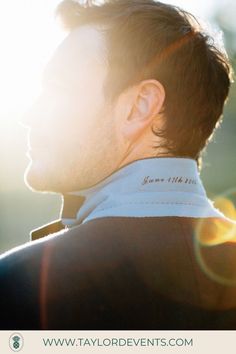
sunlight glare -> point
(28, 36)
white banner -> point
(202, 342)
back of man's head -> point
(151, 40)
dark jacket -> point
(118, 273)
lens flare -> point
(215, 241)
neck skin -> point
(144, 149)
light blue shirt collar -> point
(152, 187)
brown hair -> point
(152, 40)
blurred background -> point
(28, 37)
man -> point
(130, 99)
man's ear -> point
(147, 103)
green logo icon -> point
(16, 342)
